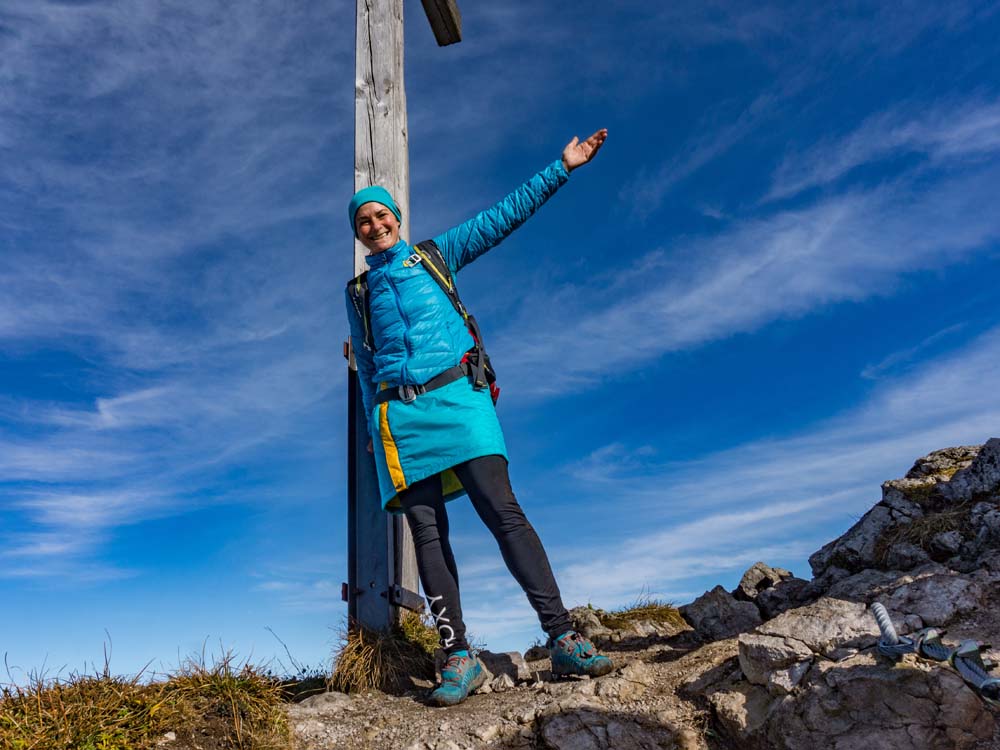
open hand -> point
(579, 152)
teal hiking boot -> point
(572, 654)
(461, 674)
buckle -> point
(407, 393)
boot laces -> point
(452, 669)
(581, 646)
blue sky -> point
(774, 289)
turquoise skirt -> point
(430, 435)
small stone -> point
(510, 663)
(527, 716)
(586, 688)
(502, 683)
(326, 701)
(168, 737)
(487, 733)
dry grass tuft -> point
(645, 607)
(225, 705)
(236, 698)
(375, 660)
(920, 531)
(83, 712)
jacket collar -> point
(384, 257)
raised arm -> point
(463, 244)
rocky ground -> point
(780, 662)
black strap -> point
(480, 367)
(438, 268)
(406, 393)
(357, 290)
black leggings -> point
(486, 481)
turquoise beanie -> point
(374, 193)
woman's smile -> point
(378, 227)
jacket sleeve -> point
(463, 244)
(364, 360)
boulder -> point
(855, 550)
(860, 704)
(935, 599)
(758, 577)
(981, 477)
(716, 615)
(831, 627)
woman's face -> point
(378, 227)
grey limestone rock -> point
(855, 550)
(758, 577)
(501, 683)
(943, 463)
(905, 556)
(936, 599)
(859, 705)
(946, 543)
(716, 614)
(761, 655)
(898, 494)
(827, 627)
(510, 663)
(789, 593)
(326, 702)
(586, 621)
(742, 710)
(784, 681)
(981, 477)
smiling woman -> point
(435, 433)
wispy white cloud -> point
(164, 195)
(947, 132)
(845, 248)
(907, 356)
(681, 527)
(779, 498)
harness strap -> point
(406, 393)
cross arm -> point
(445, 19)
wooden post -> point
(382, 567)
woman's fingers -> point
(577, 153)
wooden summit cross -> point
(381, 565)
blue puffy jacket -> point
(416, 330)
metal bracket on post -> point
(405, 598)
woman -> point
(447, 441)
